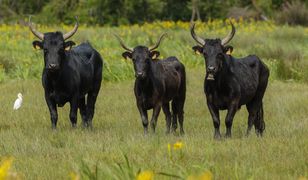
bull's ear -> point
(154, 54)
(68, 45)
(198, 49)
(228, 50)
(37, 45)
(127, 55)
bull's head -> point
(213, 50)
(141, 56)
(54, 45)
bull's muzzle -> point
(140, 75)
(210, 73)
(53, 66)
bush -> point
(294, 13)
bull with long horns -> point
(158, 82)
(69, 74)
(230, 83)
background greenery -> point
(116, 149)
(116, 12)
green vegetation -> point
(283, 48)
(40, 153)
(117, 12)
(116, 148)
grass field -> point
(40, 153)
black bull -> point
(231, 83)
(69, 75)
(158, 82)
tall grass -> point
(283, 47)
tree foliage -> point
(116, 12)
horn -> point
(196, 38)
(158, 42)
(122, 43)
(34, 31)
(72, 32)
(229, 36)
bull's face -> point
(141, 57)
(54, 46)
(214, 52)
(214, 55)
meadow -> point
(117, 149)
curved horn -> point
(122, 43)
(229, 36)
(72, 32)
(158, 42)
(34, 31)
(196, 38)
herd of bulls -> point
(74, 75)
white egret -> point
(18, 101)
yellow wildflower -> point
(145, 175)
(207, 175)
(5, 167)
(302, 178)
(74, 176)
(177, 145)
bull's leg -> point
(144, 119)
(156, 111)
(179, 103)
(91, 99)
(251, 108)
(92, 96)
(229, 118)
(167, 113)
(52, 110)
(174, 116)
(82, 109)
(216, 121)
(73, 111)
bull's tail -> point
(259, 121)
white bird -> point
(18, 101)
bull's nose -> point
(211, 68)
(139, 74)
(52, 66)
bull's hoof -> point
(74, 125)
(217, 136)
(145, 131)
(259, 133)
(247, 133)
(87, 125)
(53, 127)
(182, 133)
(227, 135)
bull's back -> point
(174, 76)
(89, 63)
(247, 72)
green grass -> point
(40, 153)
(283, 48)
